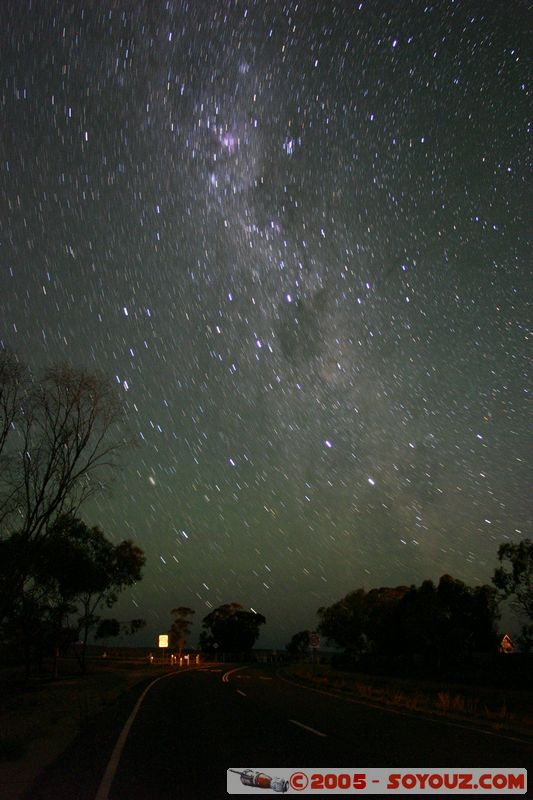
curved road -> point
(193, 725)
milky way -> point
(296, 236)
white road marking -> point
(109, 774)
(388, 710)
(239, 692)
(307, 728)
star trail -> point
(296, 236)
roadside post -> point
(314, 644)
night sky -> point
(297, 236)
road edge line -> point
(225, 677)
(437, 720)
(308, 728)
(111, 769)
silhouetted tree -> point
(232, 628)
(380, 618)
(35, 629)
(77, 569)
(111, 628)
(514, 581)
(344, 622)
(107, 629)
(110, 569)
(362, 620)
(442, 623)
(58, 442)
(299, 644)
(180, 628)
(14, 387)
(133, 626)
(445, 622)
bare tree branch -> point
(59, 443)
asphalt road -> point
(191, 727)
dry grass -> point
(502, 709)
(40, 718)
(45, 709)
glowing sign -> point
(163, 640)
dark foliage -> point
(440, 623)
(514, 582)
(232, 628)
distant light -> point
(372, 482)
(288, 297)
(231, 462)
(328, 443)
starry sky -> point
(296, 236)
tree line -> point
(440, 623)
(230, 628)
(60, 439)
